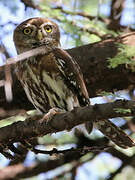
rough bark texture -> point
(36, 126)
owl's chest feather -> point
(44, 84)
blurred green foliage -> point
(125, 56)
(122, 110)
(80, 29)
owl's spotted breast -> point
(45, 85)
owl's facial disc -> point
(46, 33)
(36, 32)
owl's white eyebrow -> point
(47, 23)
(30, 25)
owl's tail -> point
(114, 133)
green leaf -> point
(125, 56)
(122, 110)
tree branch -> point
(30, 3)
(75, 13)
(117, 7)
(33, 127)
(20, 171)
(126, 160)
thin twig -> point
(83, 150)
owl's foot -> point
(51, 113)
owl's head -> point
(35, 32)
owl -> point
(54, 80)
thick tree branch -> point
(35, 127)
(117, 7)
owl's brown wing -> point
(73, 74)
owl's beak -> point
(39, 35)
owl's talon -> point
(51, 113)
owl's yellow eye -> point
(48, 29)
(27, 31)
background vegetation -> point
(81, 22)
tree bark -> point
(36, 126)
